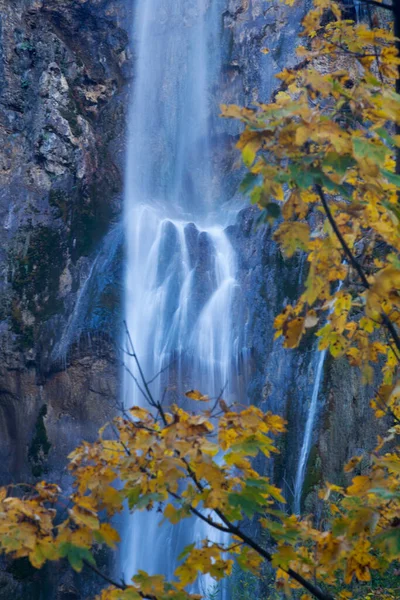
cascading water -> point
(308, 433)
(180, 273)
(96, 280)
(309, 430)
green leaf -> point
(256, 195)
(133, 496)
(76, 556)
(368, 149)
(186, 551)
(385, 135)
(338, 162)
(336, 188)
(248, 183)
(249, 152)
(385, 493)
(303, 178)
(273, 210)
(147, 499)
(391, 542)
(251, 446)
(391, 177)
(248, 505)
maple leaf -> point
(196, 395)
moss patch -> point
(91, 217)
(40, 445)
(59, 201)
(313, 476)
(37, 271)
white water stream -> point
(180, 275)
(308, 433)
(309, 430)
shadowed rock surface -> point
(64, 71)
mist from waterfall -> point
(180, 266)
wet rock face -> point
(65, 66)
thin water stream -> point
(310, 425)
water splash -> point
(89, 292)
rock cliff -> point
(65, 66)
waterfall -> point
(309, 430)
(89, 292)
(180, 283)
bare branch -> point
(120, 586)
(142, 377)
(379, 4)
(161, 371)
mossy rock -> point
(40, 445)
(37, 271)
(91, 217)
(60, 202)
(313, 476)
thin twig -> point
(218, 398)
(138, 384)
(161, 371)
(142, 377)
(120, 586)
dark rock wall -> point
(65, 67)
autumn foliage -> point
(321, 160)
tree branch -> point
(234, 530)
(379, 4)
(201, 516)
(353, 261)
(230, 527)
(145, 383)
(120, 586)
(313, 589)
